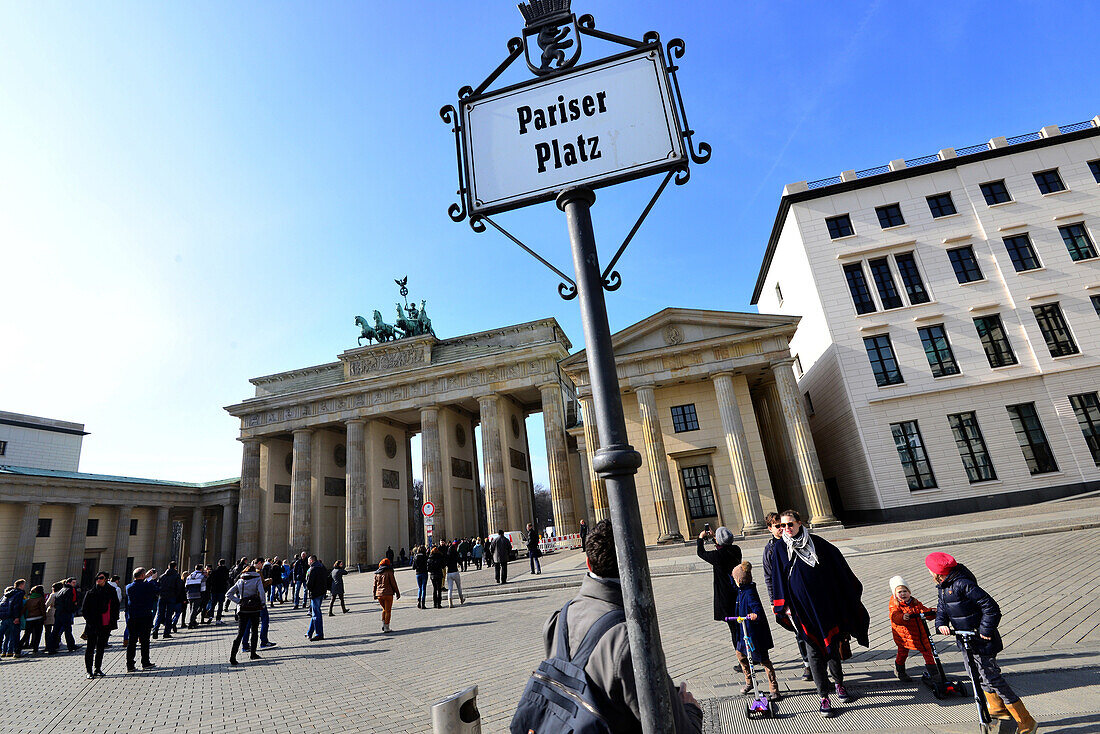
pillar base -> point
(754, 529)
(825, 522)
(670, 538)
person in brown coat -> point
(34, 611)
(385, 589)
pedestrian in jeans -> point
(100, 612)
(301, 567)
(248, 594)
(167, 607)
(385, 589)
(453, 577)
(420, 568)
(437, 564)
(11, 613)
(500, 550)
(533, 552)
(317, 583)
(772, 521)
(218, 584)
(65, 608)
(141, 601)
(338, 574)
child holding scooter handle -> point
(749, 607)
(965, 606)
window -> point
(282, 494)
(133, 526)
(1033, 441)
(1094, 166)
(910, 276)
(995, 192)
(938, 350)
(1096, 303)
(798, 367)
(1086, 407)
(809, 405)
(1022, 253)
(697, 491)
(839, 226)
(93, 528)
(1055, 331)
(965, 264)
(972, 449)
(778, 294)
(857, 284)
(995, 342)
(3, 447)
(45, 524)
(1049, 181)
(684, 418)
(1077, 241)
(883, 364)
(941, 205)
(38, 572)
(890, 216)
(884, 282)
(914, 459)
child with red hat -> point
(966, 606)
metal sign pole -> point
(616, 462)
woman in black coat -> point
(437, 564)
(723, 560)
(100, 612)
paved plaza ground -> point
(363, 681)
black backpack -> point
(559, 697)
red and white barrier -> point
(560, 542)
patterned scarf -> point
(803, 547)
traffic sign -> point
(428, 509)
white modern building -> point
(949, 347)
(41, 443)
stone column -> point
(197, 537)
(78, 540)
(557, 458)
(600, 507)
(492, 452)
(248, 518)
(24, 549)
(802, 442)
(301, 509)
(737, 446)
(122, 542)
(357, 519)
(162, 544)
(668, 525)
(226, 545)
(432, 459)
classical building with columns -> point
(712, 406)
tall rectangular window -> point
(1077, 241)
(1055, 330)
(45, 525)
(995, 192)
(840, 226)
(972, 449)
(883, 363)
(698, 492)
(3, 447)
(1086, 407)
(890, 216)
(1022, 253)
(914, 459)
(938, 350)
(1095, 304)
(133, 526)
(910, 276)
(93, 527)
(1049, 181)
(684, 418)
(941, 205)
(778, 294)
(884, 282)
(1094, 166)
(857, 284)
(994, 340)
(965, 264)
(1032, 438)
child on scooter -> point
(967, 607)
(749, 606)
(909, 631)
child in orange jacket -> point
(909, 631)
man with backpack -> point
(591, 661)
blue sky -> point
(195, 194)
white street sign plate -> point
(428, 509)
(599, 124)
(429, 521)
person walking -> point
(533, 552)
(194, 586)
(170, 583)
(301, 567)
(338, 574)
(389, 553)
(100, 612)
(141, 603)
(248, 594)
(385, 590)
(65, 609)
(818, 596)
(476, 552)
(11, 616)
(501, 551)
(454, 579)
(51, 616)
(464, 548)
(34, 617)
(437, 564)
(219, 584)
(317, 583)
(584, 533)
(723, 560)
(772, 521)
(420, 570)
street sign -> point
(429, 521)
(599, 124)
(428, 509)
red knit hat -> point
(940, 563)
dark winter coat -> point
(437, 563)
(64, 602)
(723, 560)
(171, 586)
(338, 575)
(965, 606)
(12, 605)
(748, 602)
(218, 583)
(100, 607)
(300, 567)
(317, 580)
(420, 563)
(452, 558)
(769, 558)
(824, 601)
(141, 599)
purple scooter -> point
(760, 705)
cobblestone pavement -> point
(361, 680)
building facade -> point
(949, 347)
(40, 443)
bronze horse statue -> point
(383, 332)
(368, 331)
(407, 326)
